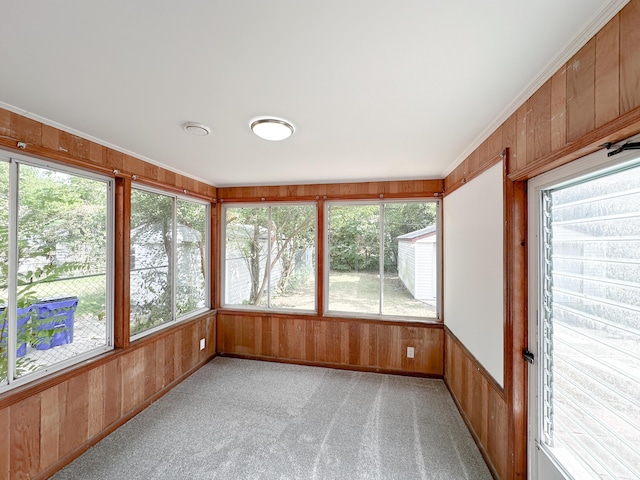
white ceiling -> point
(377, 89)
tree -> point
(354, 233)
(288, 229)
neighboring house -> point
(417, 263)
(150, 264)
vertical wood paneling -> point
(484, 409)
(5, 441)
(497, 443)
(348, 343)
(73, 403)
(581, 92)
(558, 109)
(49, 427)
(50, 138)
(189, 348)
(538, 141)
(114, 160)
(160, 364)
(112, 391)
(25, 129)
(132, 380)
(630, 57)
(25, 438)
(97, 154)
(177, 354)
(520, 152)
(77, 147)
(509, 137)
(607, 72)
(495, 144)
(150, 365)
(5, 123)
(96, 401)
(365, 189)
(169, 353)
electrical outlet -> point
(410, 352)
(202, 344)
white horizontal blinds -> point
(591, 232)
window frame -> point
(14, 160)
(382, 316)
(175, 319)
(223, 263)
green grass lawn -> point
(91, 293)
(358, 293)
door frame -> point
(596, 162)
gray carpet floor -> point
(243, 419)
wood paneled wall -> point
(48, 424)
(369, 345)
(481, 401)
(391, 189)
(51, 143)
(594, 98)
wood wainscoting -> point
(481, 402)
(49, 423)
(355, 344)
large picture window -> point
(383, 258)
(169, 259)
(55, 268)
(270, 256)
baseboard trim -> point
(474, 435)
(337, 366)
(61, 463)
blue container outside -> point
(53, 322)
(23, 320)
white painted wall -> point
(474, 268)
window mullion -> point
(174, 258)
(267, 265)
(12, 280)
(381, 256)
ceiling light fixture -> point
(272, 129)
(196, 129)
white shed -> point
(417, 262)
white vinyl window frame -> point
(223, 263)
(174, 253)
(380, 316)
(14, 160)
(542, 463)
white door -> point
(584, 326)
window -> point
(169, 259)
(383, 258)
(55, 268)
(587, 269)
(270, 256)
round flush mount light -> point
(273, 129)
(196, 129)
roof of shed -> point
(418, 234)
